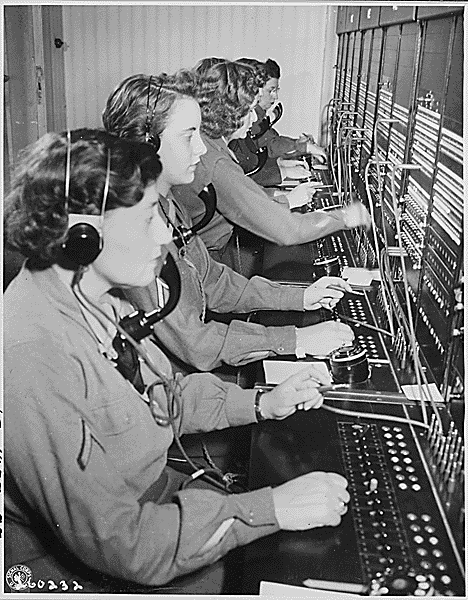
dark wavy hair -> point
(272, 68)
(226, 90)
(126, 113)
(257, 65)
(36, 216)
(206, 63)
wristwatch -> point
(258, 412)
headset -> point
(277, 112)
(152, 138)
(83, 243)
(183, 234)
(260, 153)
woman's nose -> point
(199, 146)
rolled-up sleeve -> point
(280, 145)
(207, 345)
(228, 291)
(243, 202)
(93, 510)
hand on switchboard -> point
(326, 292)
(313, 148)
(323, 338)
(315, 499)
(300, 390)
(356, 215)
(317, 151)
(301, 194)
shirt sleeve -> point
(228, 291)
(279, 146)
(93, 510)
(243, 202)
(206, 346)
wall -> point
(105, 44)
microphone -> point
(139, 324)
(278, 112)
(263, 126)
(183, 235)
(260, 153)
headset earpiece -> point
(154, 141)
(84, 240)
(84, 237)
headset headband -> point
(150, 118)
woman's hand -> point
(301, 194)
(300, 388)
(323, 338)
(317, 151)
(326, 292)
(312, 500)
(356, 215)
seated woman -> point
(281, 149)
(227, 95)
(88, 494)
(163, 110)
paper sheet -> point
(412, 392)
(270, 588)
(276, 371)
(295, 202)
(360, 277)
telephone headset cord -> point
(174, 400)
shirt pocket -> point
(130, 439)
(115, 418)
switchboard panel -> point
(370, 17)
(399, 149)
(397, 14)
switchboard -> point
(396, 140)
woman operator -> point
(281, 149)
(227, 96)
(164, 110)
(88, 493)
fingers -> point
(312, 404)
(330, 292)
(309, 375)
(328, 303)
(364, 216)
(307, 399)
(336, 282)
(342, 508)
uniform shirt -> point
(82, 446)
(241, 201)
(278, 146)
(206, 283)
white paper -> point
(276, 371)
(412, 392)
(296, 201)
(270, 588)
(358, 277)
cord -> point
(412, 337)
(356, 413)
(174, 399)
(376, 243)
(168, 384)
